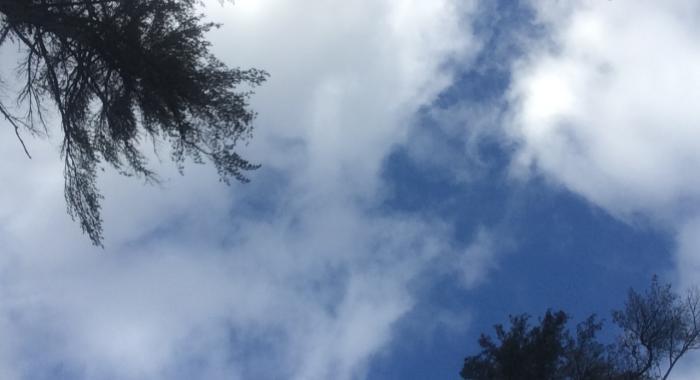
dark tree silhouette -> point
(657, 328)
(118, 71)
(543, 352)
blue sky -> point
(428, 168)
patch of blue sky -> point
(554, 249)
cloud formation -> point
(607, 107)
(296, 275)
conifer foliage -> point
(117, 72)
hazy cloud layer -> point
(295, 275)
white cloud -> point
(687, 368)
(346, 83)
(291, 276)
(479, 258)
(608, 107)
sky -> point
(427, 169)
